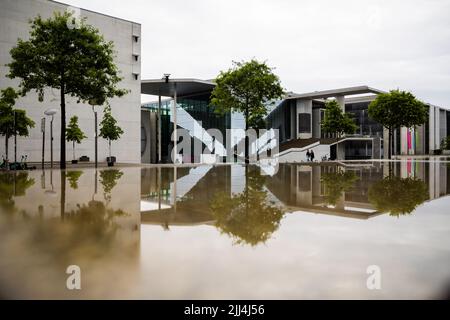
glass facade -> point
(199, 108)
(366, 126)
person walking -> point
(308, 155)
(311, 155)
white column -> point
(341, 101)
(304, 106)
(159, 129)
(174, 111)
(431, 133)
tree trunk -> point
(390, 143)
(6, 146)
(6, 150)
(63, 128)
(63, 194)
(73, 150)
(247, 160)
(109, 149)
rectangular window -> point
(136, 38)
(304, 123)
(136, 76)
(135, 57)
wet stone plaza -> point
(296, 231)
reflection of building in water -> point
(194, 188)
(435, 174)
(309, 189)
(331, 189)
(55, 219)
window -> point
(135, 57)
(136, 76)
(304, 123)
(136, 38)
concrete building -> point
(298, 119)
(126, 36)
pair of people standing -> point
(310, 155)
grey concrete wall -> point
(304, 106)
(431, 118)
(442, 125)
(316, 120)
(14, 16)
(340, 151)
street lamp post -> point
(43, 141)
(51, 112)
(15, 137)
(96, 136)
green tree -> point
(12, 121)
(73, 177)
(397, 109)
(109, 179)
(445, 143)
(13, 185)
(109, 129)
(75, 59)
(248, 87)
(248, 217)
(336, 121)
(335, 183)
(398, 196)
(74, 133)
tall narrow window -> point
(304, 123)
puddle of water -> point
(228, 231)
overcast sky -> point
(314, 45)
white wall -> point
(14, 16)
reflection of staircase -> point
(187, 182)
(186, 121)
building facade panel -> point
(14, 17)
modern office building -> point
(297, 118)
(194, 114)
(126, 36)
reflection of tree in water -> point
(89, 230)
(336, 183)
(73, 177)
(13, 185)
(248, 217)
(109, 179)
(94, 220)
(398, 196)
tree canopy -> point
(12, 121)
(73, 131)
(335, 183)
(397, 109)
(248, 87)
(76, 60)
(398, 196)
(108, 126)
(336, 121)
(248, 217)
